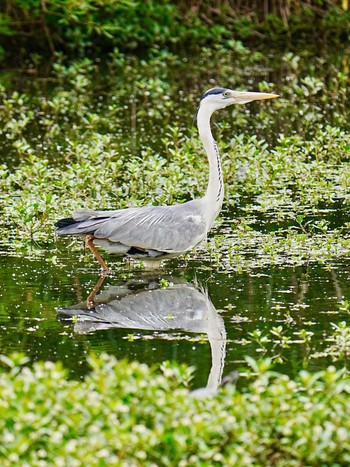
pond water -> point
(188, 312)
(204, 310)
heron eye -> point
(226, 94)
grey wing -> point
(163, 228)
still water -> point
(188, 312)
(194, 310)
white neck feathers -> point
(215, 191)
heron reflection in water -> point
(143, 304)
(154, 233)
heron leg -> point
(89, 243)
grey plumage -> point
(157, 232)
(149, 307)
(164, 230)
(142, 304)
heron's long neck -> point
(215, 190)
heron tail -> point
(79, 215)
(65, 222)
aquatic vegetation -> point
(247, 247)
(127, 412)
(339, 348)
(91, 137)
(94, 146)
(134, 25)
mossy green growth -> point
(126, 413)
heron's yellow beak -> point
(242, 97)
(254, 96)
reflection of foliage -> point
(124, 413)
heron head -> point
(218, 98)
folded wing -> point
(163, 228)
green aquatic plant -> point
(339, 348)
(260, 339)
(128, 413)
(86, 144)
(252, 248)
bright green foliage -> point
(74, 26)
(113, 154)
(129, 414)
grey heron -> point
(153, 233)
(142, 304)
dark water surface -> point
(189, 313)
